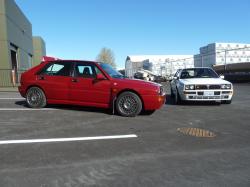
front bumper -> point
(153, 102)
(206, 95)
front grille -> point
(207, 87)
(214, 87)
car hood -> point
(204, 81)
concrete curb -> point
(8, 89)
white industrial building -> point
(163, 65)
(222, 54)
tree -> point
(107, 56)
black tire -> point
(177, 98)
(128, 104)
(148, 112)
(218, 102)
(36, 98)
(227, 102)
(171, 92)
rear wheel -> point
(35, 98)
(128, 104)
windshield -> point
(109, 70)
(198, 73)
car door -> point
(55, 80)
(85, 88)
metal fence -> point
(9, 77)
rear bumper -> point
(21, 90)
(153, 102)
(207, 95)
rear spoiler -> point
(48, 58)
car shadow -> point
(83, 109)
(70, 107)
(21, 103)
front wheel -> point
(171, 92)
(177, 98)
(36, 98)
(128, 104)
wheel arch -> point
(34, 85)
(133, 91)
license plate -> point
(208, 93)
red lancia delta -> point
(88, 83)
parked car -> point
(88, 84)
(138, 75)
(160, 79)
(200, 84)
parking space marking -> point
(11, 98)
(4, 142)
(26, 109)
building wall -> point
(222, 53)
(39, 50)
(16, 30)
(4, 56)
(163, 65)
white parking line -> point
(67, 139)
(26, 109)
(12, 98)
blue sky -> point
(78, 29)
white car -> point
(200, 84)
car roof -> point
(196, 68)
(72, 61)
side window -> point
(57, 69)
(177, 73)
(85, 71)
(98, 71)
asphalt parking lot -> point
(147, 150)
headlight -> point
(161, 90)
(226, 86)
(189, 87)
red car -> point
(88, 83)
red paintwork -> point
(90, 91)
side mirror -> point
(222, 76)
(175, 78)
(100, 77)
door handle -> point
(41, 78)
(74, 80)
